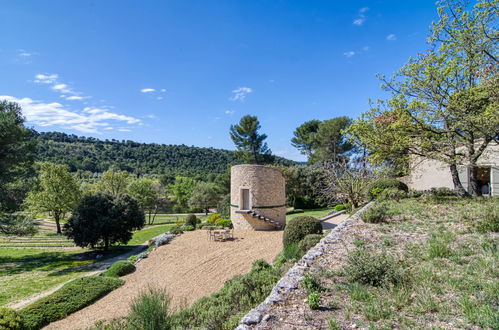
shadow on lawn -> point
(53, 261)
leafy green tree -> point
(204, 196)
(250, 144)
(17, 144)
(332, 144)
(442, 105)
(305, 137)
(58, 192)
(113, 182)
(181, 191)
(104, 220)
(148, 194)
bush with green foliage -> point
(213, 218)
(392, 194)
(297, 228)
(366, 267)
(191, 220)
(374, 214)
(414, 193)
(294, 211)
(120, 268)
(314, 300)
(311, 284)
(223, 206)
(188, 228)
(72, 297)
(377, 187)
(306, 203)
(176, 231)
(442, 192)
(309, 242)
(10, 319)
(150, 310)
(226, 223)
(341, 207)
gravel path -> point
(189, 268)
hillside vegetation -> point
(94, 155)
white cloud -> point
(147, 90)
(46, 78)
(163, 90)
(366, 48)
(229, 112)
(124, 130)
(159, 98)
(391, 37)
(88, 120)
(152, 116)
(349, 53)
(74, 98)
(362, 17)
(240, 93)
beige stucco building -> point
(427, 173)
(258, 198)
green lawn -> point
(144, 235)
(316, 213)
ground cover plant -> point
(70, 298)
(429, 264)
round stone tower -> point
(257, 198)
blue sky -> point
(181, 72)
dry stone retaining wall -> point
(291, 280)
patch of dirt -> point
(190, 267)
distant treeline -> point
(94, 155)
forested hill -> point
(94, 155)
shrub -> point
(10, 319)
(72, 297)
(489, 222)
(294, 211)
(311, 284)
(309, 242)
(175, 231)
(188, 228)
(226, 223)
(223, 206)
(213, 218)
(167, 237)
(375, 214)
(120, 268)
(341, 207)
(150, 310)
(314, 300)
(306, 203)
(392, 194)
(442, 192)
(299, 227)
(191, 220)
(289, 253)
(374, 269)
(377, 187)
(259, 265)
(414, 193)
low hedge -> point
(309, 242)
(120, 268)
(294, 211)
(226, 223)
(10, 319)
(299, 227)
(377, 187)
(72, 297)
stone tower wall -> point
(267, 195)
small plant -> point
(489, 221)
(358, 292)
(259, 265)
(341, 207)
(176, 231)
(359, 243)
(10, 319)
(188, 228)
(120, 268)
(226, 223)
(150, 310)
(442, 192)
(332, 324)
(373, 269)
(213, 218)
(314, 300)
(309, 242)
(438, 246)
(167, 237)
(392, 194)
(378, 186)
(374, 214)
(191, 220)
(311, 284)
(299, 227)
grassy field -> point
(428, 264)
(25, 270)
(316, 213)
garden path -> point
(190, 267)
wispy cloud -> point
(349, 53)
(76, 98)
(66, 92)
(229, 112)
(362, 16)
(46, 78)
(239, 94)
(391, 37)
(163, 90)
(24, 56)
(147, 90)
(87, 120)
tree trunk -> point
(106, 243)
(57, 222)
(473, 181)
(458, 186)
